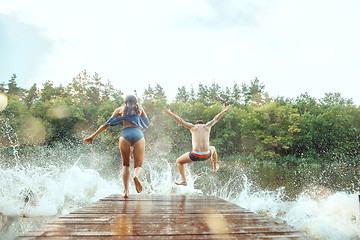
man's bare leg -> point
(180, 164)
(214, 158)
(138, 152)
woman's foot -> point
(181, 183)
(138, 185)
(125, 194)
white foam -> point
(335, 216)
(35, 191)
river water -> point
(41, 185)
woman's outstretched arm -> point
(102, 128)
(90, 139)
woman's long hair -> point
(131, 106)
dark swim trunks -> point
(194, 156)
(132, 134)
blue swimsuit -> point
(131, 134)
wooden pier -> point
(163, 217)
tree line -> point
(293, 130)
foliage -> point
(283, 130)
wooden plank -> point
(190, 237)
(163, 217)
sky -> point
(291, 46)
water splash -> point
(9, 137)
(335, 215)
(56, 181)
(160, 175)
(50, 191)
(315, 209)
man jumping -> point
(201, 150)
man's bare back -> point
(200, 137)
(201, 150)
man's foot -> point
(125, 194)
(181, 183)
(216, 168)
(138, 185)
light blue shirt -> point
(134, 118)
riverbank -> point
(294, 161)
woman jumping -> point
(133, 117)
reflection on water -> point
(322, 202)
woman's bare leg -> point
(214, 158)
(125, 150)
(180, 164)
(138, 152)
(125, 178)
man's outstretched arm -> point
(218, 116)
(178, 119)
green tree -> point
(192, 96)
(182, 95)
(31, 95)
(269, 131)
(112, 94)
(329, 135)
(236, 94)
(13, 88)
(326, 130)
(154, 93)
(14, 114)
(284, 101)
(254, 93)
(226, 97)
(49, 91)
(203, 94)
(77, 88)
(224, 134)
(177, 137)
(159, 92)
(332, 99)
(40, 110)
(2, 87)
(215, 92)
(149, 93)
(306, 104)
